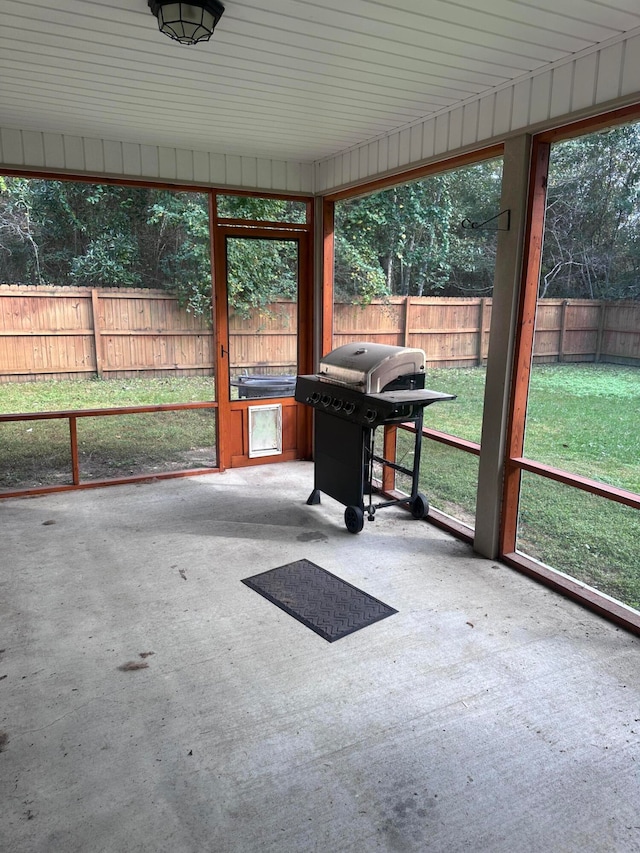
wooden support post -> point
(513, 256)
(326, 287)
(601, 318)
(524, 343)
(389, 452)
(407, 321)
(481, 321)
(563, 328)
(97, 337)
(73, 437)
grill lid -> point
(370, 367)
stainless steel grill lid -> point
(370, 367)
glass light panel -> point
(262, 280)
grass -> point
(55, 396)
(36, 453)
(582, 418)
(587, 537)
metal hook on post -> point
(476, 226)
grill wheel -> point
(420, 506)
(354, 519)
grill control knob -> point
(336, 404)
(349, 408)
(313, 398)
(370, 415)
(325, 399)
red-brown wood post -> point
(524, 343)
(328, 252)
(389, 452)
(73, 437)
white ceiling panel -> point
(289, 79)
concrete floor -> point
(488, 714)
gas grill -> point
(359, 387)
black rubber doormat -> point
(323, 602)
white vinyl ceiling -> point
(290, 79)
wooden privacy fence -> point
(118, 333)
(454, 332)
(60, 332)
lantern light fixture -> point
(187, 23)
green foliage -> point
(67, 233)
(70, 233)
(261, 209)
(408, 241)
(109, 257)
(591, 247)
(358, 274)
(260, 272)
(19, 251)
(181, 226)
(410, 236)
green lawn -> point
(582, 418)
(55, 396)
(36, 453)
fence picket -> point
(61, 332)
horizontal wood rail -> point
(92, 413)
(583, 594)
(72, 416)
(585, 484)
(445, 438)
(115, 481)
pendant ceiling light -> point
(187, 23)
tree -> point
(408, 240)
(260, 272)
(101, 235)
(19, 252)
(591, 247)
